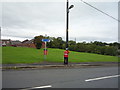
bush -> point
(38, 45)
(111, 51)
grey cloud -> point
(37, 18)
(31, 15)
(88, 39)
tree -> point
(111, 51)
(60, 42)
(91, 48)
(72, 45)
(71, 42)
(99, 43)
(80, 47)
(38, 41)
(101, 50)
(56, 42)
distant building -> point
(107, 45)
(15, 43)
(0, 43)
(9, 42)
(6, 42)
(28, 43)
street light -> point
(71, 6)
(67, 21)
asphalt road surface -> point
(93, 77)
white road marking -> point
(43, 87)
(102, 78)
(48, 86)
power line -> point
(100, 11)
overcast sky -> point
(24, 20)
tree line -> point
(96, 47)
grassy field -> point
(12, 55)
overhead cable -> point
(100, 11)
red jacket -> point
(66, 53)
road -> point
(93, 77)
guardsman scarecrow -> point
(66, 52)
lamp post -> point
(67, 21)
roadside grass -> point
(0, 55)
(14, 55)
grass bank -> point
(13, 55)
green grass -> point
(0, 55)
(12, 55)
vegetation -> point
(112, 49)
(38, 41)
(0, 55)
(96, 47)
(13, 55)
